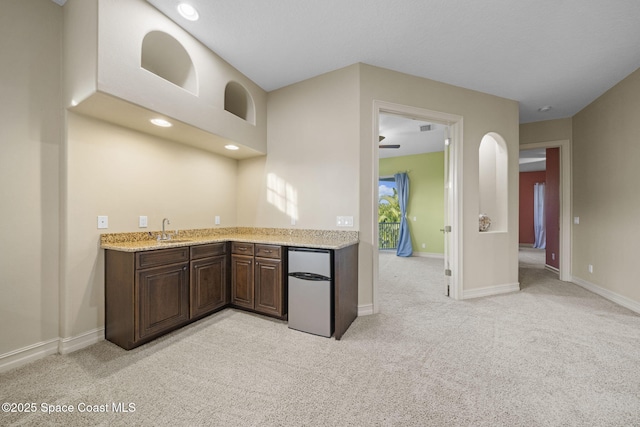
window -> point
(388, 213)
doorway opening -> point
(545, 222)
(449, 129)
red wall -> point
(552, 207)
(527, 181)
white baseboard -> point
(610, 295)
(22, 356)
(71, 344)
(552, 268)
(31, 353)
(490, 290)
(428, 255)
(365, 309)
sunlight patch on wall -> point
(283, 196)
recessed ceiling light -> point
(231, 147)
(161, 122)
(544, 109)
(188, 12)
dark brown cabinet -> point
(208, 280)
(150, 293)
(162, 295)
(257, 278)
(146, 294)
(242, 281)
(269, 287)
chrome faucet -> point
(164, 235)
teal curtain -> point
(405, 247)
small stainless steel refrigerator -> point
(311, 307)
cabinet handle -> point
(268, 251)
(184, 268)
(242, 249)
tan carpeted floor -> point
(552, 354)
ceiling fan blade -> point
(389, 146)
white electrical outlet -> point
(415, 218)
(590, 268)
(553, 256)
(217, 219)
(103, 221)
(142, 221)
(424, 245)
(576, 220)
(345, 221)
(293, 220)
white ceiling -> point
(562, 53)
(406, 132)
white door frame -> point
(565, 201)
(455, 164)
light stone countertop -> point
(141, 241)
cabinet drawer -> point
(242, 248)
(205, 251)
(161, 257)
(268, 251)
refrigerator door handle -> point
(310, 276)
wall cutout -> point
(494, 181)
(237, 101)
(165, 57)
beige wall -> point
(548, 130)
(311, 171)
(124, 174)
(606, 155)
(489, 259)
(30, 139)
(320, 165)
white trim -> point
(552, 268)
(71, 344)
(491, 290)
(428, 255)
(565, 201)
(607, 294)
(365, 309)
(25, 355)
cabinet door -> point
(268, 286)
(162, 294)
(242, 281)
(208, 279)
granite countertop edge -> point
(297, 241)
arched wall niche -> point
(239, 102)
(165, 57)
(493, 181)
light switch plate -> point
(142, 221)
(345, 221)
(217, 220)
(576, 220)
(103, 221)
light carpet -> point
(552, 354)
